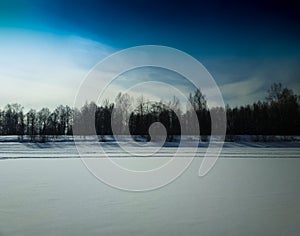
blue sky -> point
(47, 47)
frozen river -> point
(240, 196)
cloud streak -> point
(43, 69)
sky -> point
(48, 47)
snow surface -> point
(46, 190)
(64, 147)
(50, 197)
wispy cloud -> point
(39, 69)
(244, 80)
(243, 92)
(43, 69)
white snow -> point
(64, 147)
(44, 191)
(52, 197)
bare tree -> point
(123, 105)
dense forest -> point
(278, 114)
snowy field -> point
(44, 191)
(65, 148)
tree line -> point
(278, 114)
(36, 124)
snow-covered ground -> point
(50, 197)
(44, 191)
(64, 147)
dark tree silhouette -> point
(279, 114)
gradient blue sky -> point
(47, 47)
